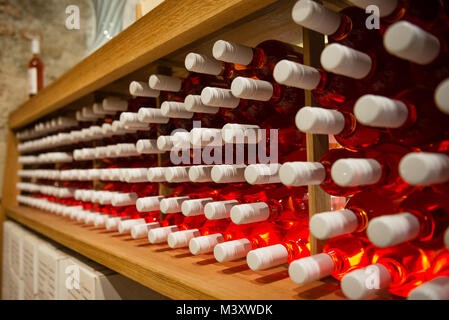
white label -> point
(32, 81)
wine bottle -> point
(329, 89)
(346, 27)
(422, 219)
(377, 72)
(318, 173)
(35, 70)
(398, 269)
(295, 245)
(261, 59)
(379, 169)
(428, 52)
(410, 117)
(354, 218)
(342, 124)
(340, 255)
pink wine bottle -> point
(354, 218)
(422, 219)
(340, 255)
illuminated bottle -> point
(342, 124)
(318, 173)
(398, 269)
(429, 53)
(329, 89)
(281, 99)
(354, 218)
(376, 72)
(295, 245)
(193, 84)
(261, 59)
(410, 117)
(346, 27)
(35, 70)
(390, 11)
(422, 219)
(378, 169)
(340, 255)
(441, 96)
(262, 235)
(200, 63)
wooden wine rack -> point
(161, 39)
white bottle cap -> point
(356, 172)
(148, 204)
(98, 109)
(88, 112)
(127, 150)
(114, 104)
(112, 223)
(205, 244)
(232, 52)
(241, 133)
(302, 173)
(410, 42)
(446, 238)
(124, 227)
(390, 230)
(142, 89)
(296, 75)
(124, 199)
(100, 220)
(177, 174)
(386, 7)
(218, 97)
(180, 239)
(151, 115)
(202, 137)
(219, 209)
(378, 111)
(227, 173)
(250, 212)
(436, 289)
(267, 257)
(179, 140)
(165, 143)
(247, 88)
(314, 16)
(35, 46)
(193, 103)
(442, 96)
(201, 173)
(326, 225)
(358, 284)
(320, 121)
(174, 109)
(156, 174)
(311, 268)
(232, 250)
(172, 205)
(107, 130)
(201, 63)
(147, 146)
(140, 231)
(195, 207)
(343, 60)
(136, 175)
(262, 173)
(165, 83)
(160, 235)
(424, 168)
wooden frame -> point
(155, 35)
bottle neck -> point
(344, 29)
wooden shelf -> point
(174, 273)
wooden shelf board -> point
(174, 273)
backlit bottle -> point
(422, 218)
(35, 70)
(330, 90)
(261, 59)
(398, 269)
(377, 169)
(410, 117)
(340, 255)
(354, 218)
(376, 72)
(428, 52)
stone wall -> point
(61, 48)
